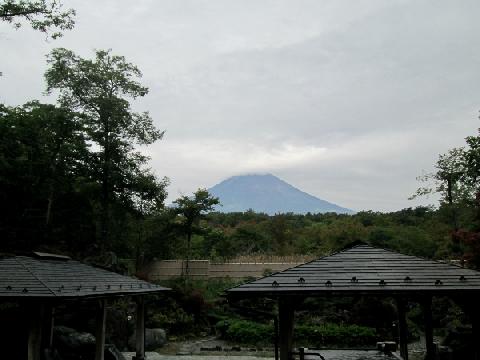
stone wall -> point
(204, 269)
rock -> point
(387, 346)
(390, 346)
(72, 344)
(112, 353)
(148, 356)
(154, 339)
(72, 339)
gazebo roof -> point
(363, 269)
(55, 277)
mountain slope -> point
(268, 194)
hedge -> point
(250, 332)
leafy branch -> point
(42, 15)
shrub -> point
(249, 332)
(335, 335)
(246, 332)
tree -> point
(471, 172)
(190, 211)
(446, 182)
(456, 179)
(43, 157)
(42, 15)
(470, 180)
(100, 89)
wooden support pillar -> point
(100, 330)
(48, 324)
(475, 317)
(470, 307)
(285, 316)
(402, 328)
(35, 333)
(301, 353)
(277, 339)
(427, 315)
(140, 331)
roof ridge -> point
(445, 262)
(17, 258)
(353, 245)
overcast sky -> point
(346, 100)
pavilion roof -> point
(363, 269)
(54, 277)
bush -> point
(246, 332)
(334, 335)
(252, 333)
(173, 319)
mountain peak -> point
(268, 194)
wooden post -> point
(427, 314)
(140, 331)
(402, 328)
(35, 333)
(48, 324)
(286, 317)
(100, 330)
(275, 325)
(301, 353)
(475, 317)
(469, 307)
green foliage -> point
(421, 231)
(335, 335)
(44, 177)
(250, 332)
(456, 179)
(247, 332)
(191, 308)
(211, 289)
(42, 15)
(190, 210)
(100, 90)
(70, 176)
(174, 319)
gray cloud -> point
(348, 100)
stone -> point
(112, 353)
(154, 339)
(71, 339)
(387, 346)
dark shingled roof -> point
(363, 269)
(47, 277)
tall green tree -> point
(470, 179)
(101, 90)
(42, 15)
(446, 181)
(471, 172)
(43, 160)
(191, 209)
(457, 180)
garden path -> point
(328, 354)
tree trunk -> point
(48, 215)
(187, 266)
(477, 203)
(450, 204)
(105, 186)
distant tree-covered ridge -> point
(222, 236)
